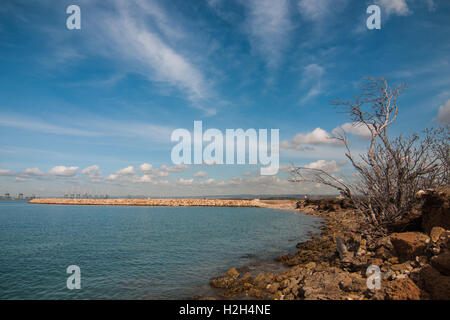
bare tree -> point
(440, 145)
(388, 176)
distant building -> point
(20, 196)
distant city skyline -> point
(93, 109)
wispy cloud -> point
(269, 25)
(129, 34)
(41, 126)
(319, 10)
(398, 7)
(92, 127)
(312, 79)
(431, 5)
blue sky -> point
(90, 110)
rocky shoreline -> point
(413, 260)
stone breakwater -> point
(155, 202)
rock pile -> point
(412, 265)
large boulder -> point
(435, 283)
(402, 289)
(435, 209)
(442, 263)
(408, 245)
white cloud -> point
(356, 129)
(269, 23)
(112, 177)
(398, 7)
(176, 168)
(126, 171)
(145, 178)
(146, 168)
(207, 182)
(444, 113)
(93, 173)
(317, 137)
(6, 172)
(328, 166)
(62, 171)
(159, 173)
(182, 181)
(200, 174)
(32, 172)
(91, 169)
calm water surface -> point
(135, 252)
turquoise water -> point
(135, 252)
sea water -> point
(136, 252)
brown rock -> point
(273, 287)
(342, 250)
(384, 242)
(232, 273)
(442, 263)
(402, 289)
(436, 233)
(383, 253)
(353, 282)
(227, 280)
(408, 245)
(257, 293)
(436, 284)
(246, 277)
(310, 265)
(402, 267)
(376, 261)
(393, 260)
